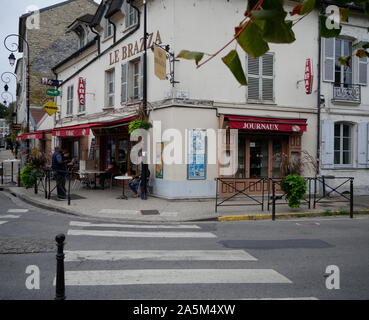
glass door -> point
(259, 155)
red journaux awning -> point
(267, 124)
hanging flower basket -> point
(138, 124)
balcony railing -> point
(347, 92)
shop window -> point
(110, 88)
(342, 144)
(260, 78)
(70, 92)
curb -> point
(287, 215)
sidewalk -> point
(104, 204)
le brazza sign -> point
(50, 107)
(267, 124)
(50, 82)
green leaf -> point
(251, 40)
(269, 14)
(191, 55)
(345, 61)
(307, 6)
(278, 32)
(328, 33)
(233, 62)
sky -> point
(11, 10)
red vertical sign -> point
(81, 91)
(308, 78)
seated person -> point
(136, 181)
(109, 172)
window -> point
(334, 48)
(70, 99)
(131, 81)
(108, 29)
(342, 144)
(131, 16)
(110, 88)
(260, 78)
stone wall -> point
(50, 44)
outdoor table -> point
(95, 172)
(12, 161)
(123, 196)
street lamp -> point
(6, 88)
(12, 60)
(6, 79)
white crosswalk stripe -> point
(160, 255)
(172, 276)
(3, 222)
(136, 226)
(18, 210)
(9, 216)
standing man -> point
(59, 167)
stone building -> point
(45, 32)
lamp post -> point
(6, 79)
(12, 61)
(144, 105)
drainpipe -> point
(318, 144)
(115, 30)
(97, 39)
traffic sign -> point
(53, 92)
(50, 82)
(50, 107)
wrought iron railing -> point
(347, 92)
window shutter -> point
(362, 143)
(363, 71)
(329, 59)
(124, 82)
(268, 74)
(327, 146)
(253, 74)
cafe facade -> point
(272, 119)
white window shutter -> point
(362, 145)
(267, 93)
(363, 71)
(124, 83)
(327, 146)
(329, 59)
(253, 74)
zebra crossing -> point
(10, 216)
(160, 276)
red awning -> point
(267, 124)
(84, 129)
(32, 135)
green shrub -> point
(28, 176)
(295, 188)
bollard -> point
(351, 198)
(60, 281)
(19, 179)
(69, 178)
(273, 203)
(2, 173)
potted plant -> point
(33, 169)
(293, 184)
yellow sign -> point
(160, 57)
(50, 107)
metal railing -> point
(220, 182)
(342, 184)
(347, 92)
